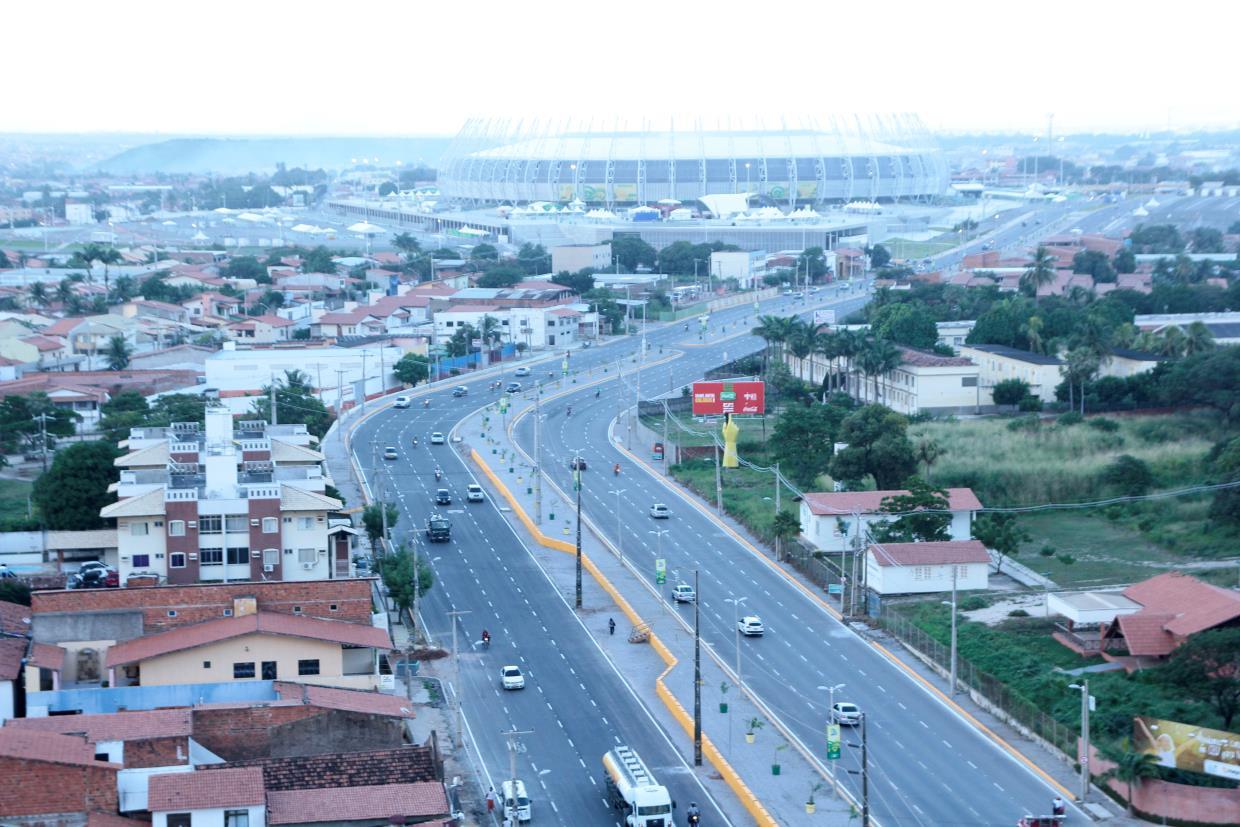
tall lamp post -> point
(577, 485)
(952, 603)
(1083, 688)
(619, 529)
(736, 604)
(831, 690)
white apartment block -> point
(226, 502)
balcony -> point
(1085, 641)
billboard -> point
(822, 317)
(716, 398)
(1188, 747)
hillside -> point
(238, 156)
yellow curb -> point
(998, 739)
(748, 800)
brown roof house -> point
(233, 798)
(53, 780)
(923, 568)
(1174, 607)
(832, 520)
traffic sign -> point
(660, 571)
(833, 741)
(503, 404)
(835, 588)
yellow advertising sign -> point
(624, 193)
(807, 190)
(1188, 747)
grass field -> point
(901, 248)
(748, 495)
(1103, 552)
(13, 494)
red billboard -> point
(716, 398)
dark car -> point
(443, 497)
(577, 464)
(460, 390)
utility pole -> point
(577, 479)
(537, 454)
(954, 629)
(382, 512)
(865, 777)
(778, 556)
(718, 483)
(619, 530)
(275, 414)
(513, 747)
(456, 670)
(417, 587)
(43, 438)
(1083, 688)
(697, 675)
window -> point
(177, 559)
(176, 528)
(101, 756)
(271, 557)
(921, 572)
(236, 818)
(308, 667)
(307, 555)
(305, 523)
(206, 664)
(271, 525)
(968, 381)
(236, 523)
(139, 529)
(141, 561)
(243, 670)
(297, 610)
(172, 613)
(177, 820)
(332, 607)
(238, 556)
(211, 556)
(228, 613)
(269, 670)
(210, 524)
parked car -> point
(513, 387)
(521, 371)
(95, 579)
(659, 511)
(390, 452)
(473, 493)
(403, 402)
(443, 497)
(684, 593)
(436, 438)
(846, 713)
(577, 464)
(750, 625)
(460, 390)
(510, 677)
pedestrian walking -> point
(611, 626)
(491, 800)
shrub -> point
(1065, 558)
(1070, 418)
(973, 602)
(1047, 550)
(1030, 404)
(1146, 524)
(1128, 475)
(1018, 613)
(1025, 423)
(1101, 423)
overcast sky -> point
(373, 67)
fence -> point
(472, 361)
(1021, 711)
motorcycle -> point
(426, 403)
(438, 474)
(568, 411)
(486, 639)
(415, 442)
(616, 469)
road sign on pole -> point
(503, 404)
(660, 571)
(833, 741)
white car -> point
(473, 493)
(521, 371)
(684, 593)
(750, 625)
(510, 677)
(390, 452)
(436, 438)
(846, 713)
(659, 511)
(403, 402)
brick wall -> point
(38, 787)
(1158, 798)
(157, 752)
(240, 734)
(248, 733)
(207, 601)
(404, 765)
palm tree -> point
(38, 294)
(827, 344)
(770, 329)
(928, 451)
(1040, 273)
(1197, 339)
(1131, 767)
(1172, 343)
(849, 344)
(64, 290)
(877, 357)
(407, 244)
(88, 254)
(107, 255)
(800, 340)
(1033, 332)
(118, 353)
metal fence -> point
(1022, 711)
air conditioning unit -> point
(307, 566)
(268, 567)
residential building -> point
(746, 266)
(12, 653)
(135, 739)
(263, 330)
(923, 568)
(1174, 607)
(226, 502)
(1084, 614)
(953, 334)
(53, 779)
(223, 798)
(79, 213)
(834, 521)
(999, 362)
(924, 382)
(1224, 327)
(574, 257)
(1125, 362)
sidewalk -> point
(739, 770)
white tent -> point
(1140, 212)
(254, 218)
(366, 228)
(200, 236)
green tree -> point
(407, 244)
(372, 520)
(39, 294)
(813, 261)
(1002, 323)
(13, 590)
(396, 569)
(388, 188)
(412, 368)
(1226, 505)
(1156, 238)
(1095, 264)
(877, 358)
(1210, 379)
(4, 261)
(785, 527)
(676, 259)
(124, 289)
(245, 267)
(21, 431)
(1001, 534)
(1131, 767)
(1130, 476)
(296, 403)
(179, 407)
(927, 451)
(925, 514)
(124, 410)
(1040, 273)
(1207, 667)
(581, 282)
(800, 343)
(462, 341)
(75, 488)
(879, 256)
(533, 259)
(1197, 339)
(501, 275)
(906, 323)
(318, 260)
(773, 330)
(484, 252)
(878, 446)
(1124, 261)
(1205, 240)
(631, 252)
(1079, 367)
(118, 353)
(803, 440)
(1009, 392)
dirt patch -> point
(1034, 604)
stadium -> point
(616, 163)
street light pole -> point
(865, 776)
(952, 603)
(577, 477)
(830, 719)
(1083, 688)
(537, 455)
(736, 604)
(619, 529)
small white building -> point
(742, 265)
(829, 520)
(79, 214)
(574, 257)
(208, 798)
(999, 362)
(925, 568)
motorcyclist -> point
(568, 411)
(415, 442)
(438, 473)
(616, 469)
(597, 392)
(693, 814)
(426, 403)
(486, 638)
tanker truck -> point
(634, 791)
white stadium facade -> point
(612, 163)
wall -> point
(179, 667)
(97, 701)
(214, 817)
(249, 733)
(156, 752)
(820, 530)
(903, 580)
(295, 538)
(1157, 798)
(6, 701)
(151, 544)
(60, 628)
(38, 787)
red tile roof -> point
(869, 502)
(351, 700)
(929, 554)
(420, 799)
(114, 726)
(48, 656)
(1194, 605)
(62, 327)
(14, 618)
(1146, 633)
(49, 747)
(205, 790)
(273, 320)
(44, 343)
(270, 623)
(113, 820)
(349, 317)
(12, 650)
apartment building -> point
(226, 502)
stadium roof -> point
(692, 145)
